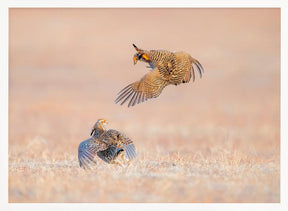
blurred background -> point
(66, 67)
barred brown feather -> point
(106, 144)
(150, 86)
(167, 68)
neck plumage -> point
(99, 130)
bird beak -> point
(135, 59)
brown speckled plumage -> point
(106, 144)
(167, 68)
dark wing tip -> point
(198, 67)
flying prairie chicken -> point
(109, 145)
(166, 68)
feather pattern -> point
(107, 145)
(150, 86)
(167, 68)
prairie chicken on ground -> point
(109, 145)
(167, 68)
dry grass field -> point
(215, 140)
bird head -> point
(99, 126)
(140, 55)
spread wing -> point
(119, 141)
(130, 150)
(87, 151)
(150, 86)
